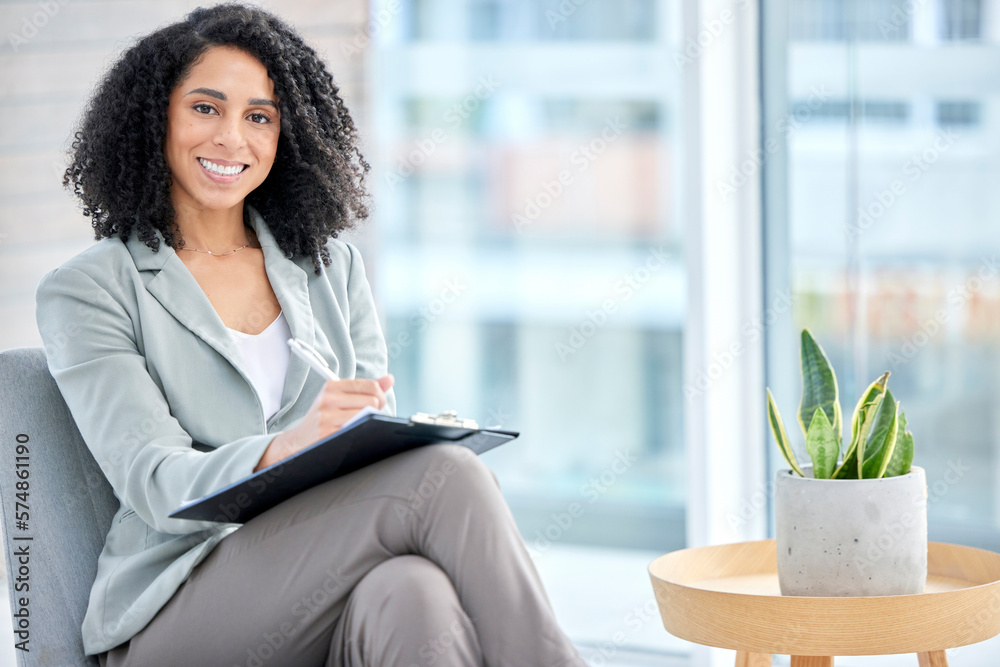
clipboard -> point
(371, 438)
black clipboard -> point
(369, 439)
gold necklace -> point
(219, 254)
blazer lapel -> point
(291, 285)
(179, 293)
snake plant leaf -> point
(882, 439)
(823, 445)
(849, 468)
(819, 385)
(902, 455)
(869, 413)
(876, 387)
(838, 420)
(778, 429)
(861, 423)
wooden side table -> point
(727, 596)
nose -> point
(230, 133)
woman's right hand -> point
(336, 403)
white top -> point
(265, 356)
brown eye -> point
(204, 108)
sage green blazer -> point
(147, 368)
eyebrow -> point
(255, 101)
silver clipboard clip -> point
(446, 418)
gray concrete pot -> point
(850, 537)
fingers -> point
(351, 402)
(337, 402)
(356, 386)
(356, 393)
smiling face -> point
(222, 130)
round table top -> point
(728, 596)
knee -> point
(407, 611)
(446, 462)
(445, 477)
(407, 582)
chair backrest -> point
(66, 511)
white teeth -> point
(219, 169)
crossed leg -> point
(279, 590)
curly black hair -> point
(315, 188)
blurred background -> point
(603, 224)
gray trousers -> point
(411, 562)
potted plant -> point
(854, 524)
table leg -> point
(933, 659)
(747, 659)
(812, 661)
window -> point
(528, 230)
(958, 114)
(837, 20)
(530, 265)
(530, 20)
(961, 19)
(887, 223)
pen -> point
(315, 360)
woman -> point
(218, 164)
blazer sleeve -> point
(121, 413)
(370, 351)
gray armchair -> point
(69, 509)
